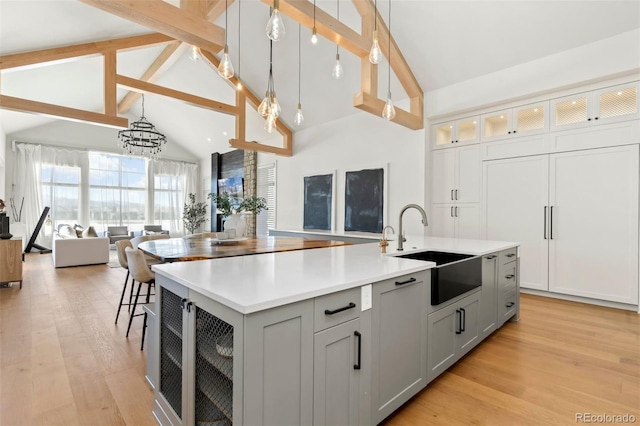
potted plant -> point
(231, 207)
(194, 214)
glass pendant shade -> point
(389, 111)
(263, 108)
(337, 72)
(275, 106)
(270, 123)
(375, 54)
(298, 118)
(275, 26)
(239, 85)
(194, 53)
(314, 36)
(225, 68)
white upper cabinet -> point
(520, 121)
(456, 175)
(617, 103)
(452, 133)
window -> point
(117, 191)
(266, 187)
(61, 192)
(167, 197)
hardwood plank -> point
(130, 395)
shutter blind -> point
(266, 187)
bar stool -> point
(140, 272)
(122, 259)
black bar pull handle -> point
(351, 305)
(491, 256)
(189, 305)
(509, 276)
(545, 222)
(458, 322)
(463, 323)
(359, 336)
(451, 213)
(511, 254)
(452, 194)
(551, 224)
(409, 281)
(510, 304)
(456, 194)
(183, 302)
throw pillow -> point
(78, 230)
(90, 232)
(66, 231)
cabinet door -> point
(336, 374)
(171, 389)
(467, 339)
(467, 130)
(530, 119)
(442, 325)
(398, 358)
(443, 134)
(594, 239)
(616, 103)
(489, 295)
(442, 221)
(443, 181)
(467, 221)
(516, 194)
(467, 187)
(278, 369)
(216, 356)
(571, 111)
(496, 125)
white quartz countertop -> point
(254, 283)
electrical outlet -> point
(365, 297)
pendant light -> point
(275, 26)
(142, 138)
(269, 107)
(194, 53)
(389, 112)
(337, 72)
(375, 54)
(314, 34)
(225, 68)
(239, 82)
(299, 118)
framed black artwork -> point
(318, 202)
(364, 200)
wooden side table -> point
(11, 261)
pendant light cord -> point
(299, 61)
(238, 74)
(375, 15)
(226, 23)
(338, 18)
(143, 105)
(389, 75)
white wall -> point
(356, 142)
(610, 57)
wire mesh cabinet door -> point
(172, 329)
(216, 355)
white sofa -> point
(79, 251)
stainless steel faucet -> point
(424, 222)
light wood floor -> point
(63, 361)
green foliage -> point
(228, 205)
(194, 214)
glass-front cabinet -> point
(608, 105)
(520, 121)
(452, 133)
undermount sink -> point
(439, 257)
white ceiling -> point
(444, 42)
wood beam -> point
(110, 92)
(78, 50)
(255, 146)
(166, 19)
(162, 63)
(241, 118)
(146, 87)
(373, 105)
(326, 25)
(211, 9)
(41, 108)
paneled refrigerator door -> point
(516, 193)
(594, 224)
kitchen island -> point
(336, 335)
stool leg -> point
(131, 294)
(124, 290)
(144, 329)
(133, 311)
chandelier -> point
(142, 138)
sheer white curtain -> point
(27, 180)
(172, 182)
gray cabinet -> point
(487, 315)
(219, 366)
(398, 345)
(508, 286)
(336, 374)
(453, 331)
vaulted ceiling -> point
(444, 42)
